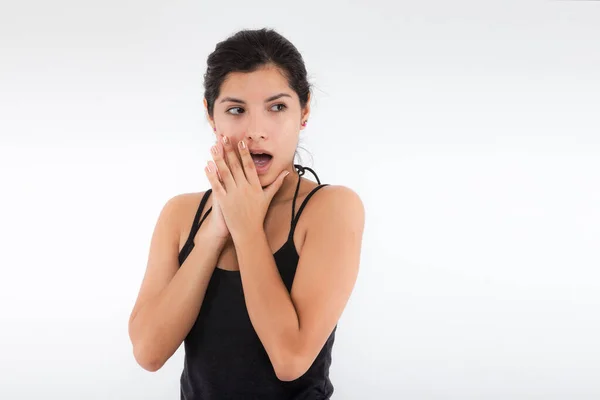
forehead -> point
(256, 85)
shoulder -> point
(183, 201)
(339, 195)
(177, 215)
(178, 208)
(334, 202)
(335, 224)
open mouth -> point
(262, 161)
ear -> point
(305, 114)
(210, 121)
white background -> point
(471, 130)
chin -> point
(268, 177)
(265, 180)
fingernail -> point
(242, 144)
(213, 149)
(209, 167)
(225, 140)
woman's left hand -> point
(244, 203)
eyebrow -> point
(234, 100)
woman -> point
(252, 290)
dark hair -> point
(249, 50)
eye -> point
(283, 106)
(235, 108)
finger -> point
(222, 168)
(218, 173)
(248, 164)
(233, 161)
(213, 178)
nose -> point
(256, 129)
(255, 135)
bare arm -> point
(294, 327)
(170, 296)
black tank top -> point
(224, 357)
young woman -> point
(253, 274)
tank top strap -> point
(189, 243)
(296, 217)
(197, 221)
(301, 171)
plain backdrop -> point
(470, 129)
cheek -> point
(224, 124)
(288, 129)
(230, 128)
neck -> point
(288, 188)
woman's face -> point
(260, 108)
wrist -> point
(205, 238)
(249, 236)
